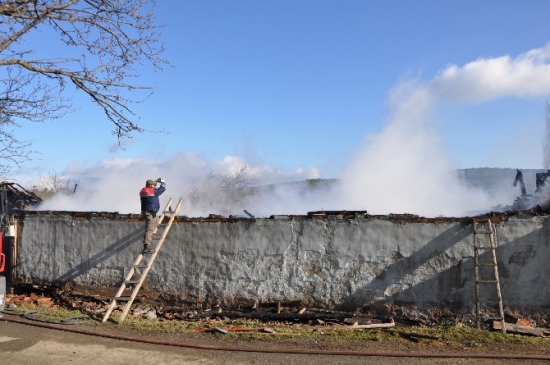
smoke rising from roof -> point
(403, 169)
(207, 187)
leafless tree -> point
(224, 192)
(54, 182)
(546, 141)
(103, 43)
(238, 183)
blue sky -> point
(301, 87)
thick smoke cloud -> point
(113, 185)
(403, 169)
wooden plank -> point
(524, 330)
(365, 326)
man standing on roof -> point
(150, 206)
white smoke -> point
(406, 168)
(403, 169)
(114, 184)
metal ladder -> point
(129, 281)
(481, 246)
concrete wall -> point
(324, 261)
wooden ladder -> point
(481, 246)
(130, 281)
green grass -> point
(49, 314)
(460, 336)
(455, 337)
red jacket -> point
(149, 197)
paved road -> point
(26, 344)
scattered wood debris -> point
(523, 330)
(375, 314)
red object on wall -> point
(2, 256)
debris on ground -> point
(522, 330)
(94, 301)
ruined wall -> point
(332, 261)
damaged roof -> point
(317, 215)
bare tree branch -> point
(105, 40)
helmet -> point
(150, 182)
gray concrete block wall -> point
(331, 262)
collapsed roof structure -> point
(540, 198)
(17, 197)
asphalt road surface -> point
(28, 344)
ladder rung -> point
(123, 299)
(140, 266)
(483, 232)
(131, 282)
(483, 248)
(486, 281)
(485, 264)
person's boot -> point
(146, 249)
